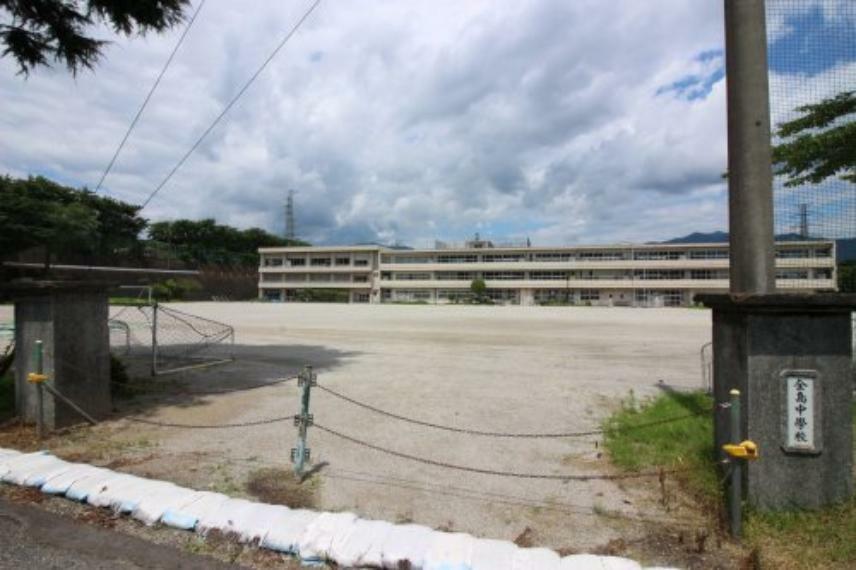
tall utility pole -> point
(289, 216)
(804, 221)
(750, 175)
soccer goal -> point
(167, 339)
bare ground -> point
(508, 369)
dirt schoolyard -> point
(495, 369)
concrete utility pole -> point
(750, 177)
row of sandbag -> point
(313, 536)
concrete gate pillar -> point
(71, 321)
(790, 355)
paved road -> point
(35, 539)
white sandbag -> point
(60, 483)
(18, 469)
(284, 535)
(187, 514)
(316, 543)
(223, 519)
(536, 559)
(449, 551)
(253, 523)
(39, 478)
(362, 545)
(8, 453)
(123, 493)
(408, 543)
(90, 483)
(7, 462)
(161, 497)
(493, 554)
(594, 562)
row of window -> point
(641, 255)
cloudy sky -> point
(565, 122)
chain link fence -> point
(812, 71)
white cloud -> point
(403, 121)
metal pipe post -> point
(735, 490)
(154, 339)
(40, 393)
(750, 177)
(301, 453)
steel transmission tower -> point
(289, 216)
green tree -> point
(847, 277)
(36, 212)
(205, 242)
(35, 31)
(478, 289)
(820, 144)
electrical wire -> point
(149, 96)
(231, 103)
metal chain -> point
(211, 426)
(158, 390)
(500, 434)
(518, 475)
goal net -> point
(167, 339)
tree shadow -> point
(254, 367)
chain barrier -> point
(159, 390)
(212, 426)
(481, 471)
(505, 434)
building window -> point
(589, 295)
(361, 297)
(600, 256)
(340, 261)
(412, 295)
(457, 259)
(320, 262)
(271, 277)
(273, 262)
(342, 277)
(708, 254)
(453, 294)
(549, 275)
(793, 253)
(659, 274)
(411, 276)
(361, 262)
(658, 255)
(406, 259)
(503, 295)
(708, 274)
(503, 257)
(550, 256)
(823, 274)
(296, 261)
(503, 275)
(361, 278)
(792, 274)
(295, 277)
(456, 275)
(320, 277)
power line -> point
(231, 103)
(149, 95)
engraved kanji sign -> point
(800, 413)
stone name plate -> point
(801, 413)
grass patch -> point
(805, 539)
(794, 539)
(686, 443)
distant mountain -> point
(845, 248)
(698, 237)
(387, 246)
